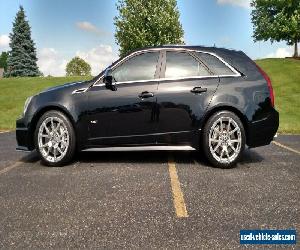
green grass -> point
(284, 73)
(285, 77)
(14, 91)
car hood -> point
(66, 86)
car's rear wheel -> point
(55, 139)
(223, 139)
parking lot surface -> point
(130, 199)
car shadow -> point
(249, 156)
(160, 157)
(31, 157)
(122, 157)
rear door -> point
(185, 89)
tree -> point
(143, 23)
(78, 67)
(22, 60)
(277, 20)
(3, 60)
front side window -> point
(140, 67)
(216, 66)
(181, 64)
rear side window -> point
(214, 64)
(181, 64)
(140, 67)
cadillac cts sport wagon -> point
(164, 98)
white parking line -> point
(286, 147)
(178, 199)
(5, 131)
(16, 164)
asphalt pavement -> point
(130, 199)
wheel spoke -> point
(44, 145)
(234, 130)
(234, 150)
(62, 135)
(221, 124)
(59, 150)
(235, 140)
(227, 154)
(54, 153)
(52, 124)
(47, 152)
(216, 130)
(222, 152)
(218, 145)
(228, 126)
(47, 129)
(57, 127)
(64, 143)
(215, 140)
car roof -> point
(190, 47)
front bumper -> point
(262, 132)
(23, 136)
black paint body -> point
(173, 116)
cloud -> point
(50, 62)
(99, 57)
(224, 40)
(239, 3)
(4, 41)
(281, 53)
(89, 27)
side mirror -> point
(108, 80)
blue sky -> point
(62, 29)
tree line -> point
(151, 23)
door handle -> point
(198, 90)
(146, 94)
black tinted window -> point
(214, 64)
(140, 67)
(181, 64)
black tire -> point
(240, 134)
(71, 142)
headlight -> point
(28, 100)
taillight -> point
(267, 78)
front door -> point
(125, 116)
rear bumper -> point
(23, 136)
(262, 132)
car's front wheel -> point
(223, 139)
(55, 139)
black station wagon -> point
(164, 98)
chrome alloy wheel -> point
(225, 140)
(53, 139)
